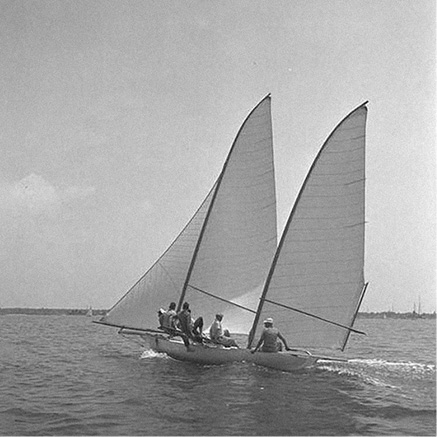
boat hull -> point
(214, 354)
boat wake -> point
(149, 353)
(399, 366)
(379, 372)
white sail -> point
(163, 282)
(228, 246)
(318, 267)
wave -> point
(30, 415)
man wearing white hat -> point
(269, 338)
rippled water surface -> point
(63, 375)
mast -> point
(286, 229)
(205, 223)
(225, 250)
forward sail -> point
(225, 251)
(317, 277)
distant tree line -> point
(100, 312)
(52, 311)
(393, 315)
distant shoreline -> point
(52, 311)
(102, 312)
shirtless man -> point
(269, 339)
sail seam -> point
(343, 173)
(330, 206)
(337, 185)
(346, 161)
(304, 240)
(356, 149)
(329, 217)
(305, 263)
(350, 139)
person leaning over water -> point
(190, 329)
(269, 339)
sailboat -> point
(227, 258)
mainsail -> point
(316, 281)
(224, 252)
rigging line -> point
(363, 291)
(99, 322)
(316, 317)
(220, 298)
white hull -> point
(211, 354)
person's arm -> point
(213, 331)
(259, 343)
(172, 319)
(283, 341)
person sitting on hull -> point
(167, 319)
(269, 339)
(192, 330)
(218, 335)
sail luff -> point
(211, 205)
(292, 215)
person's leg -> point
(228, 342)
(198, 326)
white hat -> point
(268, 320)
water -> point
(63, 375)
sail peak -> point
(325, 228)
(218, 251)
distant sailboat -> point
(221, 259)
(89, 313)
(417, 314)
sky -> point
(116, 117)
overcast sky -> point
(117, 116)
